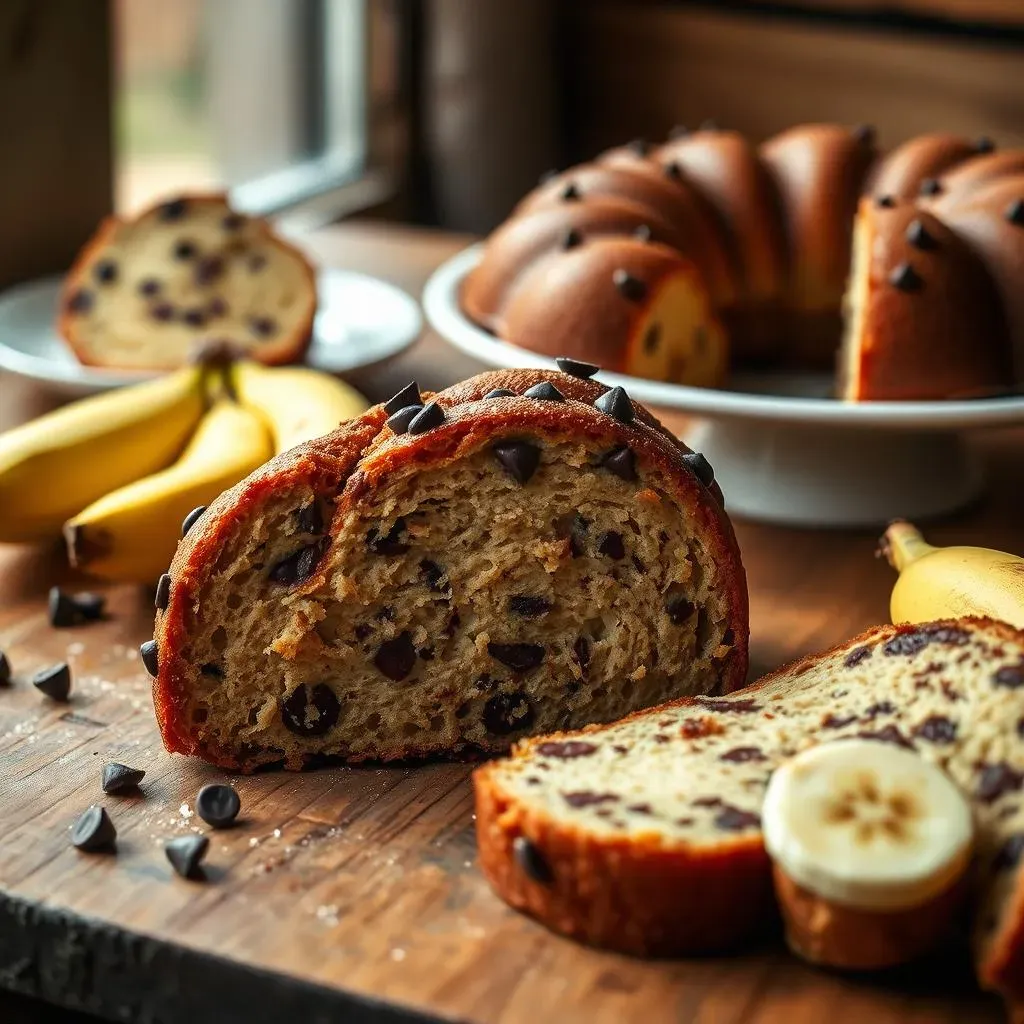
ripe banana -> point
(297, 403)
(867, 825)
(54, 466)
(943, 583)
(131, 533)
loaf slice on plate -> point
(644, 836)
(144, 293)
(528, 551)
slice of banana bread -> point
(145, 292)
(644, 835)
(527, 551)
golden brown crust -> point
(899, 173)
(287, 349)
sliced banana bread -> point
(527, 551)
(645, 836)
(145, 292)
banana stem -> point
(903, 544)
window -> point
(267, 98)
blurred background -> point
(444, 112)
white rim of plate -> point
(441, 305)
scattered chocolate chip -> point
(499, 393)
(578, 535)
(937, 729)
(571, 239)
(576, 367)
(507, 712)
(61, 609)
(262, 326)
(906, 278)
(173, 209)
(430, 416)
(435, 576)
(184, 249)
(399, 421)
(736, 707)
(1010, 676)
(408, 396)
(232, 221)
(700, 467)
(80, 301)
(1010, 854)
(527, 606)
(930, 187)
(545, 391)
(643, 233)
(856, 656)
(88, 606)
(886, 202)
(162, 311)
(5, 670)
(566, 749)
(581, 648)
(652, 338)
(679, 609)
(890, 734)
(518, 657)
(520, 459)
(256, 262)
(150, 657)
(54, 681)
(194, 317)
(1015, 213)
(191, 519)
(997, 780)
(208, 269)
(616, 403)
(310, 710)
(883, 707)
(588, 798)
(298, 567)
(831, 721)
(310, 518)
(531, 860)
(570, 193)
(396, 658)
(119, 778)
(641, 147)
(864, 134)
(983, 144)
(732, 819)
(909, 643)
(743, 755)
(149, 287)
(390, 543)
(629, 286)
(919, 237)
(94, 832)
(621, 461)
(105, 271)
(673, 170)
(186, 854)
(218, 805)
(611, 546)
(708, 801)
(216, 307)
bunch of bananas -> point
(117, 472)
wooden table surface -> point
(445, 946)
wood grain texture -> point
(354, 894)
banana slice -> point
(868, 825)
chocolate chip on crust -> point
(499, 393)
(545, 391)
(532, 861)
(150, 657)
(616, 403)
(399, 421)
(700, 467)
(576, 367)
(191, 519)
(430, 416)
(408, 396)
(629, 286)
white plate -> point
(361, 321)
(783, 450)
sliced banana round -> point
(867, 824)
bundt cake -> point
(769, 235)
(524, 551)
(646, 835)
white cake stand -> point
(783, 450)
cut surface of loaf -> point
(644, 835)
(144, 293)
(508, 564)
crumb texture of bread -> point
(524, 566)
(145, 293)
(676, 792)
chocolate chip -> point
(532, 861)
(94, 832)
(611, 546)
(430, 416)
(173, 209)
(212, 671)
(997, 780)
(184, 249)
(186, 854)
(396, 658)
(652, 338)
(435, 576)
(743, 755)
(639, 146)
(737, 707)
(399, 421)
(80, 301)
(208, 269)
(679, 609)
(890, 734)
(191, 519)
(864, 134)
(616, 403)
(1010, 676)
(119, 778)
(919, 237)
(527, 606)
(298, 567)
(673, 170)
(983, 144)
(732, 819)
(576, 367)
(1010, 854)
(883, 707)
(831, 721)
(886, 202)
(578, 535)
(588, 798)
(232, 221)
(408, 396)
(937, 729)
(89, 606)
(856, 656)
(5, 670)
(629, 286)
(54, 681)
(565, 750)
(519, 459)
(506, 712)
(571, 239)
(194, 317)
(218, 805)
(310, 518)
(545, 391)
(162, 311)
(930, 187)
(390, 543)
(910, 642)
(105, 271)
(149, 287)
(708, 801)
(570, 193)
(1015, 213)
(262, 326)
(150, 657)
(518, 657)
(61, 609)
(499, 393)
(621, 461)
(256, 262)
(700, 467)
(310, 710)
